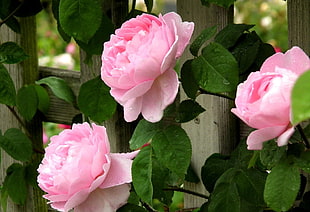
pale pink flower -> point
(263, 101)
(79, 172)
(138, 62)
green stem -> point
(303, 136)
(12, 13)
(148, 207)
(216, 94)
(187, 191)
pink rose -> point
(138, 62)
(78, 171)
(263, 101)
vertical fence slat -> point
(118, 130)
(214, 130)
(23, 73)
(298, 15)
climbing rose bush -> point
(138, 62)
(263, 101)
(78, 171)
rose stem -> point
(186, 191)
(303, 136)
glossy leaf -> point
(188, 81)
(59, 87)
(80, 18)
(11, 53)
(55, 10)
(301, 98)
(95, 45)
(205, 35)
(142, 174)
(143, 133)
(27, 101)
(16, 183)
(95, 101)
(16, 144)
(28, 8)
(282, 186)
(43, 98)
(216, 70)
(173, 149)
(228, 36)
(271, 154)
(188, 110)
(7, 88)
(4, 13)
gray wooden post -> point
(298, 15)
(23, 73)
(214, 130)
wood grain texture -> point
(23, 73)
(215, 130)
(298, 14)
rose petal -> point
(285, 136)
(256, 138)
(294, 59)
(105, 200)
(132, 109)
(162, 93)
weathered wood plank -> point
(215, 130)
(298, 15)
(23, 73)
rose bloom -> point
(263, 101)
(138, 62)
(78, 171)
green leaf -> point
(27, 101)
(173, 149)
(205, 35)
(303, 161)
(4, 13)
(142, 174)
(216, 70)
(80, 18)
(149, 5)
(222, 3)
(213, 168)
(59, 87)
(188, 81)
(7, 88)
(271, 154)
(246, 51)
(11, 53)
(28, 8)
(55, 10)
(95, 101)
(43, 98)
(282, 186)
(143, 133)
(228, 36)
(188, 110)
(95, 44)
(191, 175)
(225, 199)
(131, 208)
(16, 144)
(301, 98)
(16, 183)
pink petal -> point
(285, 136)
(134, 92)
(132, 109)
(294, 59)
(162, 93)
(184, 30)
(105, 200)
(119, 173)
(256, 138)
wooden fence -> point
(210, 132)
